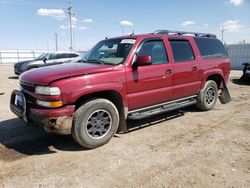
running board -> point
(162, 108)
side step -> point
(162, 108)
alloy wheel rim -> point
(210, 95)
(98, 124)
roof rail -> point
(170, 32)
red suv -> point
(129, 77)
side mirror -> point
(44, 60)
(144, 60)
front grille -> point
(27, 87)
(31, 101)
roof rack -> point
(170, 32)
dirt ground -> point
(187, 148)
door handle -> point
(194, 68)
(168, 72)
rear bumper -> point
(57, 120)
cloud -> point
(126, 23)
(231, 26)
(88, 20)
(236, 2)
(66, 26)
(83, 28)
(58, 14)
(187, 23)
(62, 34)
(74, 20)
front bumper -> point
(57, 120)
(17, 69)
(54, 120)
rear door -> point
(187, 74)
(151, 84)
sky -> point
(32, 24)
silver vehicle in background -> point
(46, 59)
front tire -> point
(208, 96)
(95, 123)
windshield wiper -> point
(81, 61)
(96, 61)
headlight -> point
(43, 90)
(49, 104)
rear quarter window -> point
(211, 48)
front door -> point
(150, 85)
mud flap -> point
(225, 95)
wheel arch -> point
(216, 76)
(115, 97)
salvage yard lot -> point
(185, 148)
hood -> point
(46, 75)
(23, 62)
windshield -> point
(111, 51)
(41, 57)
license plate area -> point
(18, 104)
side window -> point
(73, 55)
(65, 55)
(182, 50)
(156, 50)
(211, 48)
(59, 56)
(52, 56)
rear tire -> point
(95, 123)
(208, 96)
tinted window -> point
(182, 50)
(156, 50)
(211, 48)
(51, 56)
(73, 55)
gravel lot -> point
(180, 149)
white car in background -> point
(46, 59)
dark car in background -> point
(45, 59)
(246, 71)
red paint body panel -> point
(46, 75)
(58, 112)
(138, 88)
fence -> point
(13, 56)
(238, 54)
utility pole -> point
(56, 41)
(222, 34)
(70, 13)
